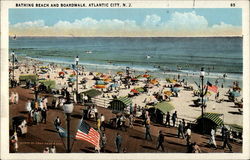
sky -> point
(125, 22)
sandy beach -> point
(183, 103)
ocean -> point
(163, 57)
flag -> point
(211, 87)
(87, 133)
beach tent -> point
(157, 112)
(120, 103)
(211, 120)
(164, 107)
(92, 93)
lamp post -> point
(76, 62)
(202, 74)
(13, 67)
(68, 108)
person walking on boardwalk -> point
(181, 130)
(226, 140)
(212, 141)
(118, 142)
(57, 122)
(174, 117)
(160, 141)
(147, 126)
(44, 115)
(168, 119)
(103, 142)
(188, 136)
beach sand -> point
(183, 103)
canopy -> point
(92, 93)
(120, 103)
(164, 107)
(215, 117)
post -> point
(13, 65)
(76, 61)
(68, 132)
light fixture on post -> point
(76, 63)
(202, 74)
(68, 109)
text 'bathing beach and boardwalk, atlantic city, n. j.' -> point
(135, 80)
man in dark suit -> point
(118, 142)
(160, 141)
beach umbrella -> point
(100, 82)
(146, 76)
(107, 80)
(154, 82)
(234, 94)
(168, 93)
(71, 79)
(114, 85)
(73, 73)
(100, 86)
(98, 74)
(61, 73)
(120, 72)
(175, 89)
(134, 91)
(140, 89)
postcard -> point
(125, 79)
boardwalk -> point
(43, 135)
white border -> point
(244, 4)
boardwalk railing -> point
(101, 102)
